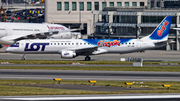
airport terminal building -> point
(134, 23)
(74, 12)
(114, 18)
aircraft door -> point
(22, 46)
(138, 43)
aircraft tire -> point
(22, 58)
(87, 58)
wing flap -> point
(81, 49)
(87, 51)
(41, 35)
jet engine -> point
(1, 46)
(68, 54)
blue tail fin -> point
(162, 30)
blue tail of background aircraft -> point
(162, 30)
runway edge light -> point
(128, 84)
(57, 80)
(166, 86)
(92, 82)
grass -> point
(16, 90)
(9, 88)
(99, 68)
(82, 62)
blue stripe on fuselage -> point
(14, 46)
(106, 40)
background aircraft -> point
(70, 48)
(12, 32)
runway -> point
(149, 55)
(89, 75)
(67, 65)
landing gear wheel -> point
(23, 57)
(87, 58)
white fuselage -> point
(56, 46)
(10, 29)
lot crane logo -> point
(35, 46)
(163, 28)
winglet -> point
(81, 27)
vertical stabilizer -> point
(161, 32)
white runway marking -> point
(98, 98)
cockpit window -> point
(17, 43)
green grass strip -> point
(9, 88)
(99, 68)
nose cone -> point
(8, 49)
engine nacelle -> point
(68, 54)
(1, 46)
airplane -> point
(12, 32)
(71, 48)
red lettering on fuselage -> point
(55, 28)
(109, 44)
(160, 32)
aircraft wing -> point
(87, 50)
(29, 36)
(41, 35)
(80, 50)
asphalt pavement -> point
(89, 75)
(149, 55)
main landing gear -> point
(22, 56)
(87, 58)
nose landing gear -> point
(87, 58)
(22, 56)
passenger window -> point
(61, 43)
(133, 43)
(72, 43)
(69, 43)
(54, 43)
(51, 43)
(80, 43)
(58, 43)
(122, 43)
(129, 43)
(76, 43)
(65, 43)
(84, 43)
